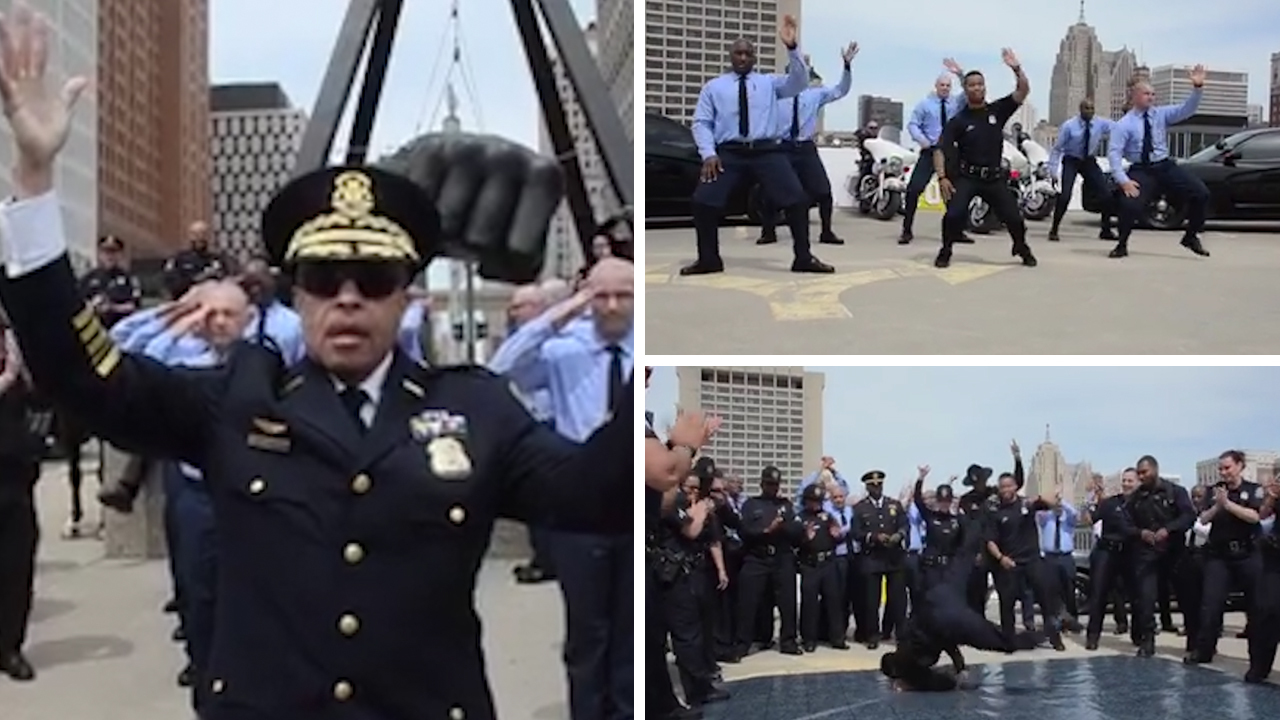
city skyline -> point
(905, 70)
(894, 419)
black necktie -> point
(1057, 532)
(744, 127)
(617, 385)
(795, 118)
(1087, 127)
(354, 399)
(1148, 145)
(942, 104)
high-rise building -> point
(256, 134)
(687, 43)
(1260, 466)
(153, 121)
(1123, 66)
(887, 112)
(1079, 71)
(1275, 90)
(771, 416)
(1257, 115)
(1225, 92)
(1025, 116)
(1050, 472)
(615, 20)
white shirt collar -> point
(372, 385)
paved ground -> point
(889, 299)
(101, 645)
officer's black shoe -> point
(731, 658)
(171, 606)
(944, 259)
(1119, 251)
(118, 498)
(767, 239)
(713, 694)
(790, 650)
(701, 268)
(1053, 236)
(1197, 658)
(906, 237)
(1192, 243)
(1024, 252)
(810, 647)
(1121, 630)
(1254, 678)
(841, 645)
(1091, 643)
(1072, 625)
(1106, 235)
(964, 239)
(1147, 649)
(682, 713)
(873, 644)
(179, 635)
(811, 265)
(1056, 644)
(187, 677)
(16, 667)
(830, 239)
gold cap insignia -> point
(352, 229)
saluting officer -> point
(110, 288)
(968, 162)
(1107, 566)
(356, 492)
(1231, 559)
(769, 532)
(880, 524)
(819, 574)
(1161, 511)
(800, 123)
(735, 127)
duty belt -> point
(1110, 545)
(749, 145)
(981, 172)
(935, 560)
(817, 558)
(1232, 548)
(764, 551)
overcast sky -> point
(895, 419)
(292, 42)
(902, 46)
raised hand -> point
(849, 53)
(788, 31)
(952, 66)
(1013, 447)
(1009, 58)
(1197, 75)
(924, 471)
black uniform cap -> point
(944, 492)
(770, 474)
(813, 492)
(351, 212)
(976, 471)
(873, 477)
(704, 467)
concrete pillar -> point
(138, 535)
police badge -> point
(449, 459)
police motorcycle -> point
(880, 191)
(982, 220)
(1038, 191)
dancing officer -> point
(1142, 138)
(880, 524)
(1076, 151)
(943, 535)
(1107, 561)
(1266, 607)
(819, 575)
(928, 119)
(768, 530)
(735, 127)
(975, 508)
(801, 122)
(1162, 514)
(969, 164)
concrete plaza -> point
(889, 299)
(102, 647)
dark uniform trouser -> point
(894, 583)
(1222, 572)
(820, 580)
(1148, 563)
(1009, 584)
(911, 571)
(683, 614)
(977, 586)
(808, 167)
(19, 536)
(1176, 182)
(726, 605)
(770, 168)
(920, 176)
(1106, 571)
(1264, 619)
(198, 567)
(1001, 201)
(1191, 592)
(1094, 179)
(660, 697)
(772, 577)
(175, 485)
(856, 592)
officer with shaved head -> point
(925, 126)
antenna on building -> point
(1081, 20)
(1046, 432)
(458, 72)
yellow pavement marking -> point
(960, 274)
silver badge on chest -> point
(448, 457)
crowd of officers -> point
(724, 563)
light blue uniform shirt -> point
(925, 125)
(1127, 132)
(715, 118)
(1051, 530)
(811, 100)
(284, 327)
(915, 528)
(1070, 141)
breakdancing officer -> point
(880, 524)
(1142, 138)
(1161, 511)
(735, 127)
(769, 532)
(819, 575)
(797, 141)
(355, 492)
(968, 162)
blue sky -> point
(902, 46)
(292, 42)
(895, 419)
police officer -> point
(110, 288)
(819, 576)
(358, 490)
(925, 126)
(1162, 514)
(1107, 566)
(196, 264)
(880, 524)
(1013, 541)
(801, 122)
(20, 453)
(726, 609)
(866, 160)
(1190, 574)
(969, 157)
(1076, 152)
(850, 603)
(769, 532)
(1231, 558)
(1264, 634)
(975, 507)
(1142, 138)
(943, 535)
(735, 126)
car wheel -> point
(1164, 215)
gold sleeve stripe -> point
(81, 320)
(98, 347)
(89, 332)
(109, 363)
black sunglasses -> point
(374, 280)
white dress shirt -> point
(372, 387)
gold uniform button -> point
(361, 483)
(218, 686)
(257, 486)
(348, 625)
(352, 553)
(457, 713)
(457, 514)
(343, 691)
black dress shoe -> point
(1146, 650)
(187, 677)
(701, 268)
(873, 644)
(842, 645)
(118, 498)
(1119, 251)
(1121, 630)
(1024, 252)
(179, 635)
(790, 650)
(810, 647)
(1053, 236)
(682, 713)
(1106, 235)
(1193, 244)
(812, 265)
(1091, 643)
(906, 237)
(830, 239)
(766, 239)
(964, 239)
(712, 695)
(1056, 644)
(943, 260)
(16, 667)
(171, 606)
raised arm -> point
(1023, 87)
(797, 76)
(831, 94)
(1174, 114)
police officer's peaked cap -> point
(770, 474)
(704, 467)
(944, 492)
(873, 477)
(972, 475)
(351, 212)
(813, 492)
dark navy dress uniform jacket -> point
(347, 559)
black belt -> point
(1110, 545)
(764, 551)
(1060, 553)
(1233, 548)
(797, 143)
(1156, 163)
(981, 172)
(817, 558)
(935, 560)
(749, 145)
